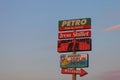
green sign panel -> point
(74, 24)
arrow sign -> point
(81, 72)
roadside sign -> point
(74, 35)
(80, 45)
(74, 60)
(77, 34)
(81, 72)
(74, 24)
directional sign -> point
(74, 60)
(81, 72)
(80, 45)
(77, 34)
(74, 24)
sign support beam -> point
(74, 52)
(74, 75)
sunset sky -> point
(28, 38)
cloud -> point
(111, 75)
(116, 27)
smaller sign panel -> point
(77, 45)
(74, 60)
(74, 24)
(78, 34)
(81, 72)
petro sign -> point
(74, 24)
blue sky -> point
(28, 38)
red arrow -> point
(81, 72)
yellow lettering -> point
(83, 21)
(68, 23)
(73, 22)
(77, 22)
(64, 23)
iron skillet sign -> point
(74, 60)
(77, 34)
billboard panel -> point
(68, 45)
(74, 24)
(74, 60)
(77, 34)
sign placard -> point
(77, 34)
(80, 45)
(74, 24)
(74, 60)
(81, 72)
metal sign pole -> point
(74, 75)
(74, 52)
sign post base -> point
(74, 76)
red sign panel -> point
(75, 28)
(71, 45)
(81, 72)
(77, 34)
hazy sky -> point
(28, 38)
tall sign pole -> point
(74, 52)
(73, 76)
